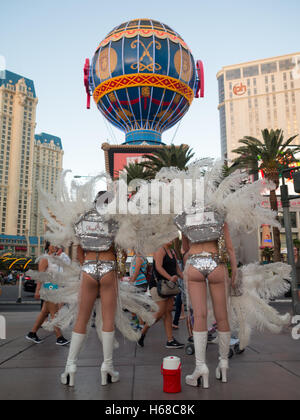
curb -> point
(25, 302)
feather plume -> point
(62, 208)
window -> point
(233, 74)
(250, 71)
(269, 67)
(221, 89)
(286, 64)
(293, 220)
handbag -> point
(167, 288)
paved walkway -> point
(269, 368)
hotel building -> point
(18, 103)
(25, 159)
(47, 166)
(257, 95)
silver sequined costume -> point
(96, 234)
(202, 226)
(98, 269)
(199, 227)
(205, 262)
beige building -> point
(18, 103)
(257, 95)
(47, 166)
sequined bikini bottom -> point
(98, 269)
(205, 262)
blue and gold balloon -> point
(143, 79)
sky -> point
(48, 42)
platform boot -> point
(108, 374)
(68, 377)
(224, 346)
(201, 371)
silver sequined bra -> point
(205, 226)
(94, 232)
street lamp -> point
(285, 199)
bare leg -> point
(162, 306)
(40, 319)
(108, 295)
(198, 296)
(52, 308)
(168, 319)
(217, 286)
(88, 295)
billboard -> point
(119, 156)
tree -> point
(271, 156)
(135, 171)
(166, 157)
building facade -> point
(47, 166)
(19, 246)
(257, 95)
(18, 103)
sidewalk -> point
(268, 369)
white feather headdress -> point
(62, 208)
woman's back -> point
(141, 277)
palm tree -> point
(271, 155)
(135, 171)
(166, 157)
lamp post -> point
(285, 199)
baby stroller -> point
(212, 338)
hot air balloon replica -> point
(143, 79)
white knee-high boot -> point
(201, 370)
(224, 346)
(108, 374)
(68, 377)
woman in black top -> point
(165, 266)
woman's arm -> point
(178, 270)
(159, 258)
(231, 253)
(80, 255)
(43, 265)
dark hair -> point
(99, 194)
(47, 245)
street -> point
(268, 369)
(9, 296)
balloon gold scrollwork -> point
(142, 66)
(106, 63)
(183, 66)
